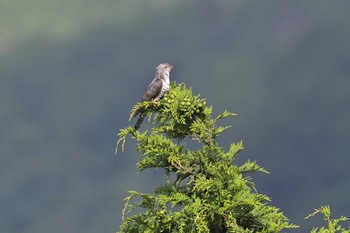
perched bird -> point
(155, 90)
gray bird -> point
(156, 89)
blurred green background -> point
(70, 72)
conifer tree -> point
(204, 190)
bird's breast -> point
(166, 85)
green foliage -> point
(204, 190)
(333, 224)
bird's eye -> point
(166, 67)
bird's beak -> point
(171, 66)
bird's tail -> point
(140, 120)
(138, 111)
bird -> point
(155, 91)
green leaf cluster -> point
(333, 224)
(204, 191)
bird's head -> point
(165, 67)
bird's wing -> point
(153, 89)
